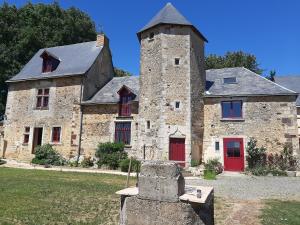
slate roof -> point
(109, 93)
(74, 59)
(291, 82)
(247, 83)
(169, 15)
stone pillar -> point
(161, 199)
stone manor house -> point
(69, 97)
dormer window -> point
(126, 97)
(50, 62)
(230, 80)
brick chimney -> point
(102, 40)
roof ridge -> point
(59, 46)
(274, 83)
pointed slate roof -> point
(169, 15)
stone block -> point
(161, 181)
(137, 211)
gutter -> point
(80, 122)
(248, 95)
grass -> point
(48, 197)
(209, 174)
(281, 213)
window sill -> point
(125, 117)
(233, 119)
(55, 143)
(127, 146)
(45, 108)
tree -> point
(26, 29)
(272, 75)
(233, 59)
(121, 73)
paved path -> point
(22, 165)
(253, 188)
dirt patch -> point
(228, 212)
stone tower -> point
(172, 82)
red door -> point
(233, 154)
(177, 150)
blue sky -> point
(269, 29)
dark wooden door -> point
(37, 138)
(177, 150)
(233, 154)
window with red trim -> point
(125, 103)
(123, 132)
(232, 109)
(49, 63)
(26, 135)
(56, 134)
(42, 98)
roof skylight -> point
(230, 80)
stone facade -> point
(64, 94)
(163, 84)
(64, 110)
(271, 120)
(98, 126)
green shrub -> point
(256, 156)
(135, 165)
(47, 155)
(108, 148)
(195, 163)
(259, 171)
(87, 162)
(277, 172)
(209, 174)
(110, 154)
(214, 165)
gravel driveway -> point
(253, 188)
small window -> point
(26, 135)
(42, 98)
(151, 36)
(230, 80)
(123, 132)
(177, 105)
(177, 61)
(217, 145)
(148, 124)
(49, 63)
(56, 131)
(232, 109)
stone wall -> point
(271, 120)
(298, 120)
(99, 126)
(21, 112)
(198, 80)
(162, 84)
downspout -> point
(80, 122)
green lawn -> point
(281, 213)
(48, 197)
